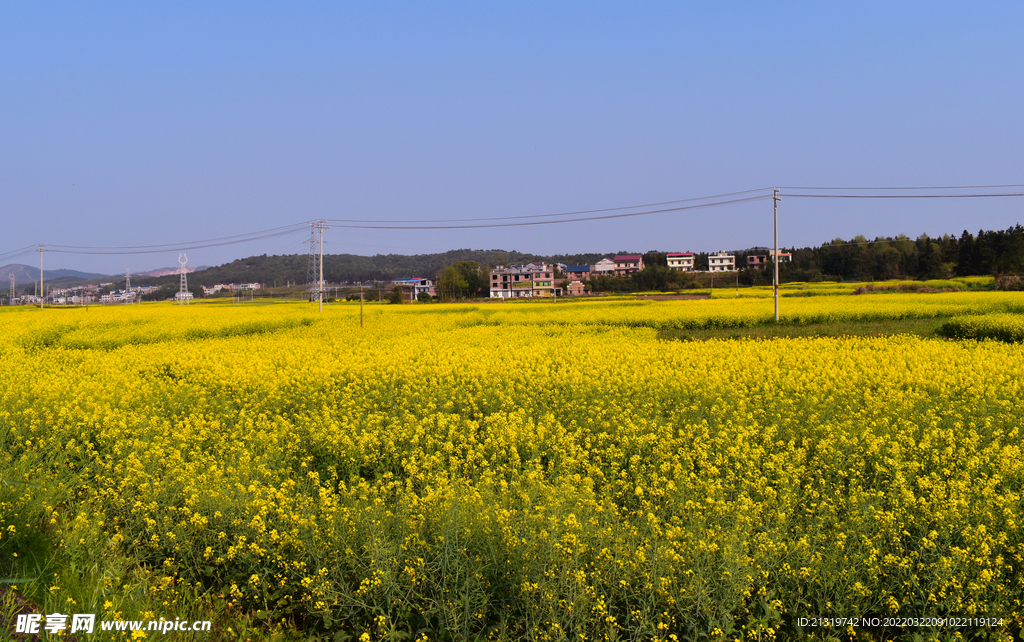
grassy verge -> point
(917, 327)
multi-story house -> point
(604, 267)
(721, 262)
(523, 281)
(628, 263)
(578, 272)
(416, 286)
(681, 261)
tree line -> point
(464, 273)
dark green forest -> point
(350, 268)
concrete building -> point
(604, 267)
(681, 261)
(721, 262)
(628, 264)
(416, 286)
(577, 272)
(523, 281)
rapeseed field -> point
(513, 471)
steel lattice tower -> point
(183, 290)
(127, 284)
(11, 300)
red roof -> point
(679, 254)
(628, 257)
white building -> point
(603, 267)
(681, 261)
(721, 262)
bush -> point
(1002, 327)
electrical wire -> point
(607, 209)
(555, 218)
(902, 195)
(241, 238)
(568, 220)
(851, 189)
(196, 245)
(13, 254)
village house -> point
(604, 267)
(680, 261)
(523, 281)
(416, 286)
(575, 288)
(628, 264)
(578, 272)
(721, 262)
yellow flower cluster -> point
(522, 471)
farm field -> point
(519, 471)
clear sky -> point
(143, 123)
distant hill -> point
(173, 270)
(351, 268)
(27, 275)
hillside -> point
(341, 268)
(27, 275)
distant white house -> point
(603, 267)
(721, 262)
(680, 261)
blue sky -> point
(144, 123)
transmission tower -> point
(183, 290)
(11, 300)
(128, 285)
(315, 269)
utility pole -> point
(315, 269)
(360, 304)
(775, 256)
(183, 288)
(321, 227)
(42, 292)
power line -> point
(13, 254)
(195, 245)
(240, 237)
(435, 224)
(568, 220)
(903, 195)
(851, 189)
(576, 213)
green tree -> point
(460, 280)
